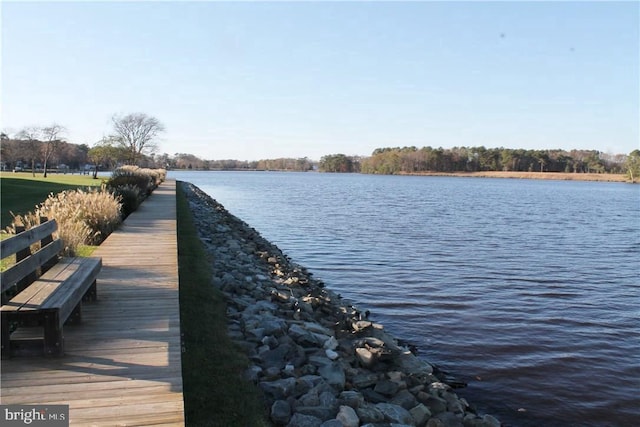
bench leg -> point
(53, 340)
(6, 336)
(76, 315)
(92, 293)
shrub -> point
(83, 216)
(129, 177)
(146, 180)
(130, 198)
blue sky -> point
(253, 80)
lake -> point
(526, 289)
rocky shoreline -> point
(319, 361)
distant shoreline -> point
(559, 176)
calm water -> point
(528, 290)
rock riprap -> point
(319, 361)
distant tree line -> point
(30, 152)
(40, 148)
(191, 162)
(475, 159)
(133, 141)
(339, 163)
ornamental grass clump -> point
(85, 217)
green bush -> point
(146, 180)
(124, 177)
(130, 197)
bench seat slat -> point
(48, 291)
(32, 297)
(68, 296)
(28, 265)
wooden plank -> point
(28, 265)
(85, 273)
(151, 395)
(88, 388)
(25, 239)
(47, 292)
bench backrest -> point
(27, 263)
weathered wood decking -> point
(122, 364)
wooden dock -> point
(122, 364)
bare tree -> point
(50, 136)
(32, 144)
(137, 132)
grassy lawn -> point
(212, 365)
(21, 192)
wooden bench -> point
(42, 288)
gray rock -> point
(395, 414)
(274, 326)
(448, 419)
(333, 374)
(438, 388)
(348, 417)
(309, 399)
(331, 423)
(332, 355)
(455, 406)
(271, 374)
(300, 420)
(331, 343)
(386, 387)
(370, 342)
(276, 357)
(374, 397)
(318, 329)
(351, 398)
(280, 296)
(420, 414)
(280, 412)
(252, 373)
(303, 336)
(320, 412)
(368, 413)
(279, 389)
(289, 371)
(328, 400)
(435, 404)
(364, 380)
(366, 358)
(319, 360)
(490, 421)
(271, 341)
(407, 362)
(306, 383)
(405, 399)
(361, 325)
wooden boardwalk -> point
(123, 362)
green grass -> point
(21, 192)
(212, 365)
